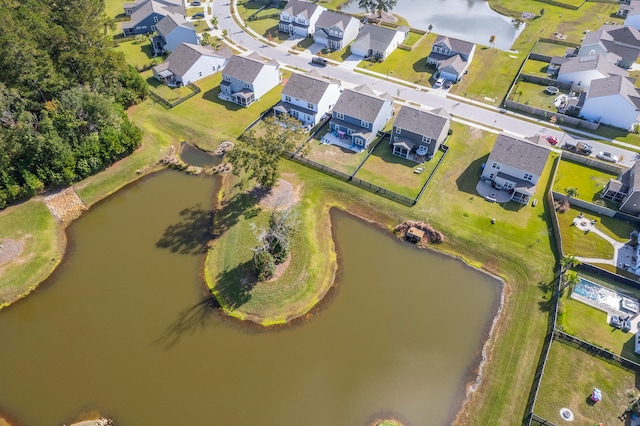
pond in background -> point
(470, 20)
(125, 327)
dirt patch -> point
(281, 196)
(65, 205)
(10, 249)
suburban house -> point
(375, 41)
(417, 134)
(614, 101)
(451, 57)
(308, 97)
(299, 17)
(145, 18)
(619, 44)
(172, 30)
(131, 7)
(358, 116)
(335, 30)
(625, 190)
(631, 12)
(246, 78)
(581, 70)
(515, 165)
(189, 63)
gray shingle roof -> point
(422, 122)
(310, 87)
(185, 55)
(171, 22)
(456, 45)
(592, 62)
(361, 103)
(516, 153)
(374, 37)
(246, 68)
(456, 62)
(328, 19)
(614, 85)
(297, 7)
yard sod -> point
(534, 95)
(576, 243)
(335, 157)
(549, 49)
(569, 378)
(171, 94)
(588, 181)
(590, 324)
(266, 27)
(33, 225)
(193, 10)
(534, 67)
(138, 55)
(396, 174)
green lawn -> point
(569, 378)
(534, 67)
(590, 324)
(550, 49)
(576, 243)
(267, 27)
(333, 156)
(137, 55)
(193, 10)
(33, 225)
(587, 180)
(412, 38)
(171, 94)
(407, 65)
(534, 95)
(391, 172)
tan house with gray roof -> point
(515, 165)
(375, 41)
(417, 134)
(308, 97)
(245, 79)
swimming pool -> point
(598, 293)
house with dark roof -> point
(172, 30)
(299, 17)
(335, 30)
(581, 70)
(417, 134)
(145, 18)
(374, 41)
(308, 97)
(189, 63)
(619, 44)
(131, 7)
(451, 57)
(625, 189)
(245, 79)
(358, 116)
(614, 101)
(515, 165)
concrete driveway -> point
(351, 62)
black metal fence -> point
(597, 351)
(167, 104)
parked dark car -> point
(578, 147)
(195, 3)
(447, 84)
(319, 61)
(198, 16)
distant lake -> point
(470, 20)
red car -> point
(552, 140)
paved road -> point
(465, 110)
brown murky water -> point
(124, 327)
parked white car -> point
(439, 82)
(607, 156)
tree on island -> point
(379, 6)
(258, 156)
(492, 40)
(274, 242)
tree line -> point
(63, 91)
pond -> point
(470, 20)
(124, 327)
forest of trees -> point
(63, 91)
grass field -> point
(266, 27)
(576, 243)
(590, 324)
(138, 55)
(588, 181)
(534, 95)
(549, 49)
(534, 67)
(333, 156)
(569, 378)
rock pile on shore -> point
(431, 236)
(65, 205)
(222, 149)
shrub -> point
(264, 265)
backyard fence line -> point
(317, 166)
(593, 163)
(597, 351)
(383, 192)
(168, 105)
(556, 41)
(555, 223)
(370, 151)
(540, 421)
(445, 149)
(563, 5)
(595, 270)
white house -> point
(515, 165)
(614, 101)
(581, 70)
(172, 30)
(451, 57)
(631, 14)
(245, 79)
(189, 63)
(376, 41)
(299, 17)
(335, 30)
(308, 97)
(619, 44)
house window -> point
(349, 131)
(339, 33)
(153, 28)
(200, 73)
(426, 139)
(247, 85)
(398, 130)
(496, 166)
(309, 105)
(128, 11)
(339, 116)
(395, 138)
(155, 19)
(364, 124)
(287, 98)
(227, 78)
(358, 141)
(527, 176)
